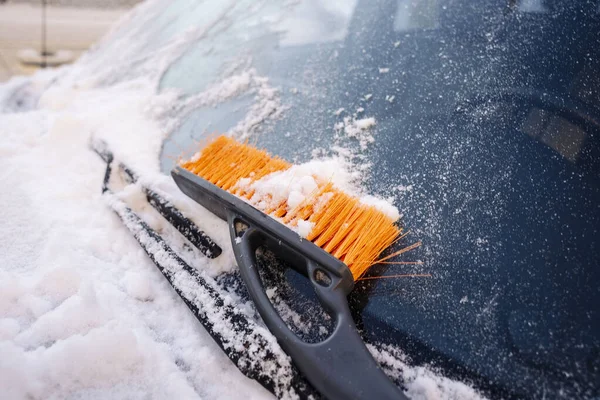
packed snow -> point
(83, 311)
(297, 183)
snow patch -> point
(138, 286)
(382, 205)
(360, 129)
(298, 182)
(75, 315)
(304, 227)
(422, 384)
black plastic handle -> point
(339, 367)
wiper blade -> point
(250, 346)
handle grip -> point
(340, 367)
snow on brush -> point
(299, 182)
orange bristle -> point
(353, 232)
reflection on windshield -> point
(532, 6)
(558, 133)
(411, 14)
(316, 21)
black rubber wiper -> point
(255, 353)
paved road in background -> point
(73, 29)
(83, 3)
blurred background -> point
(36, 33)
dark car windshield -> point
(487, 124)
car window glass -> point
(532, 6)
(412, 14)
(316, 21)
(247, 30)
(485, 134)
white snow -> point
(404, 188)
(138, 286)
(83, 311)
(297, 183)
(383, 205)
(358, 128)
(225, 89)
(304, 227)
(422, 384)
(266, 105)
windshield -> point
(479, 120)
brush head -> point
(339, 223)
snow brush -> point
(344, 239)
